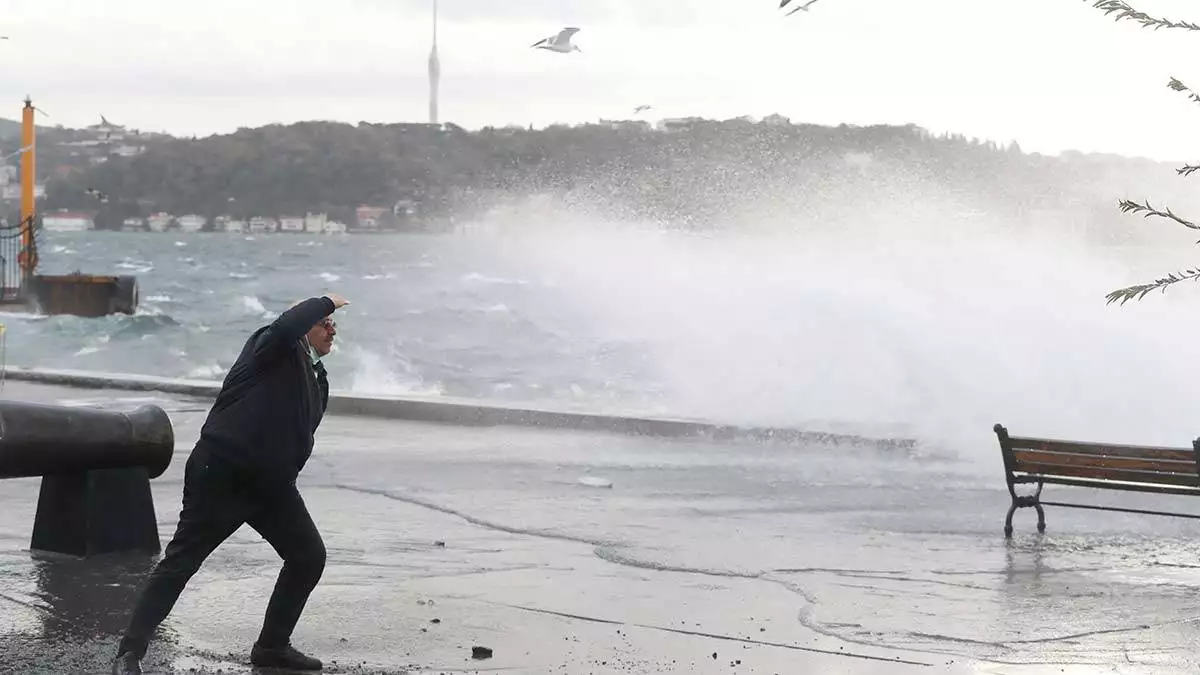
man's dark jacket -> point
(272, 400)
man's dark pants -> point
(217, 500)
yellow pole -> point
(28, 179)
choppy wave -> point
(250, 304)
(212, 371)
(134, 265)
(372, 373)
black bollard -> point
(96, 467)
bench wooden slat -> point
(1109, 485)
(1103, 461)
(1107, 449)
(1113, 474)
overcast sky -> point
(1051, 74)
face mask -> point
(313, 356)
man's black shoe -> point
(127, 663)
(282, 657)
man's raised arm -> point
(296, 322)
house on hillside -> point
(677, 124)
(191, 222)
(67, 221)
(106, 132)
(159, 222)
(291, 224)
(129, 150)
(404, 208)
(259, 224)
(625, 125)
(314, 223)
(367, 217)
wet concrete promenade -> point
(703, 557)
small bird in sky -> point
(799, 8)
(18, 152)
(640, 109)
(560, 43)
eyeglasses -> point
(329, 324)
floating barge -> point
(21, 287)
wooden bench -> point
(1096, 465)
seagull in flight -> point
(640, 108)
(799, 8)
(18, 152)
(560, 43)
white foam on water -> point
(24, 316)
(372, 373)
(137, 266)
(144, 309)
(252, 305)
(211, 371)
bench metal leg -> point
(1021, 502)
(1008, 530)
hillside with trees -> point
(9, 128)
(696, 173)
